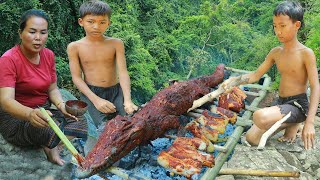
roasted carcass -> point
(122, 134)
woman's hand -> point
(62, 107)
(37, 119)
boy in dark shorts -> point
(98, 66)
(297, 66)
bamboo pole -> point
(265, 173)
(211, 173)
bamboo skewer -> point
(265, 173)
(209, 97)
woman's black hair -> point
(28, 14)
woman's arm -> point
(16, 109)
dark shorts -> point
(298, 105)
(113, 94)
(22, 133)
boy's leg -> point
(254, 134)
(293, 124)
(263, 119)
(291, 132)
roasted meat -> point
(233, 100)
(199, 131)
(184, 167)
(194, 142)
(230, 115)
(185, 152)
(122, 134)
(183, 157)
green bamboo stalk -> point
(60, 134)
(211, 173)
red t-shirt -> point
(31, 81)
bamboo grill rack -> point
(232, 140)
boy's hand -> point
(227, 84)
(105, 106)
(129, 107)
(308, 134)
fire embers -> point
(184, 157)
(233, 100)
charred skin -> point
(122, 134)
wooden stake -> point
(252, 172)
(273, 128)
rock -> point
(291, 159)
(302, 156)
(318, 173)
(306, 166)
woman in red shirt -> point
(28, 80)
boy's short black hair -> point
(292, 9)
(30, 13)
(95, 7)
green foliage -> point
(166, 40)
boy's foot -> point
(290, 134)
(53, 155)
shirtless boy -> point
(297, 66)
(101, 61)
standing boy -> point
(297, 66)
(101, 61)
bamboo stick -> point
(251, 93)
(211, 173)
(62, 137)
(251, 108)
(265, 173)
(238, 70)
(258, 86)
(209, 97)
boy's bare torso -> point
(98, 62)
(291, 65)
